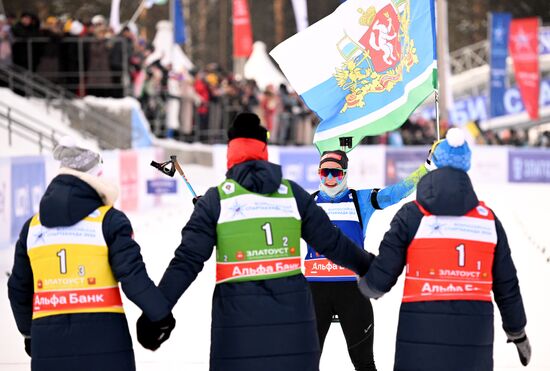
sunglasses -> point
(336, 173)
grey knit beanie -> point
(77, 158)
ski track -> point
(521, 208)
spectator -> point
(5, 41)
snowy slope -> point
(158, 232)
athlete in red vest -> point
(456, 258)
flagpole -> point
(437, 114)
(442, 57)
(137, 12)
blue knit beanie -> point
(453, 151)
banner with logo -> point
(27, 187)
(401, 162)
(129, 175)
(499, 27)
(363, 69)
(242, 29)
(529, 166)
(5, 203)
(524, 49)
(301, 165)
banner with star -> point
(363, 69)
(498, 36)
(524, 49)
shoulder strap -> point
(314, 194)
(357, 208)
(374, 198)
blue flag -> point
(363, 69)
(179, 22)
(499, 29)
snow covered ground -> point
(523, 209)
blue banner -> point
(28, 184)
(301, 166)
(179, 22)
(476, 108)
(162, 186)
(499, 30)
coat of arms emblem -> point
(377, 51)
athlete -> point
(262, 311)
(334, 288)
(69, 259)
(456, 256)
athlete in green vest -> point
(262, 312)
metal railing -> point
(83, 65)
(18, 123)
(109, 133)
(468, 57)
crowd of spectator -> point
(90, 58)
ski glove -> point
(522, 344)
(28, 345)
(152, 334)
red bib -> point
(451, 257)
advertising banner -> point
(500, 25)
(27, 187)
(524, 49)
(401, 162)
(529, 166)
(5, 203)
(129, 187)
(242, 29)
(300, 165)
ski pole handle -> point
(180, 172)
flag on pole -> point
(524, 49)
(300, 14)
(242, 29)
(498, 36)
(363, 69)
(179, 22)
(114, 19)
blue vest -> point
(344, 214)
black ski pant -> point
(356, 319)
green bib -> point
(258, 236)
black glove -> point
(152, 334)
(28, 345)
(522, 344)
(195, 199)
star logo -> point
(228, 188)
(521, 41)
(436, 227)
(237, 209)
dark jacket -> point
(84, 341)
(267, 324)
(445, 335)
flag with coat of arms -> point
(363, 69)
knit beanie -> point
(247, 125)
(77, 158)
(337, 156)
(453, 151)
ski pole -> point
(180, 171)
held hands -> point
(522, 344)
(152, 334)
